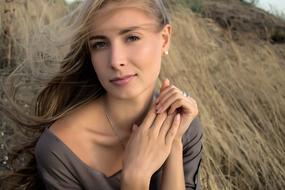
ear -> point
(166, 36)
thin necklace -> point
(111, 123)
(113, 128)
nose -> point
(118, 56)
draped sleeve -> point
(192, 154)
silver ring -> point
(186, 94)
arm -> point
(192, 155)
(132, 181)
(173, 175)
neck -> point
(126, 112)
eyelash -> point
(94, 45)
(133, 36)
(130, 38)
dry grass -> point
(240, 91)
(239, 87)
(22, 26)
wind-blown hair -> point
(74, 84)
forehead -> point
(117, 17)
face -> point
(126, 50)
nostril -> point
(117, 65)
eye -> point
(132, 38)
(99, 45)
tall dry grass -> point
(21, 19)
(239, 87)
(240, 91)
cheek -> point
(148, 56)
(98, 67)
(99, 62)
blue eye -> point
(132, 38)
(98, 45)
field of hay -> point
(239, 86)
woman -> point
(113, 131)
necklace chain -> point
(113, 128)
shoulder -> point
(46, 151)
(54, 165)
(47, 146)
(71, 131)
(52, 157)
(75, 123)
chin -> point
(124, 93)
(128, 93)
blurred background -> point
(230, 54)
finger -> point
(166, 125)
(165, 93)
(167, 103)
(148, 120)
(180, 103)
(164, 98)
(172, 130)
(165, 84)
(158, 122)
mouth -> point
(122, 80)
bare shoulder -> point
(74, 124)
(84, 132)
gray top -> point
(60, 168)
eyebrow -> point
(124, 31)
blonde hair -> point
(77, 75)
(76, 83)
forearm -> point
(173, 173)
(131, 181)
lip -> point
(122, 80)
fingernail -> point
(177, 116)
(157, 101)
(159, 110)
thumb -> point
(165, 84)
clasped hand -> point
(151, 142)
